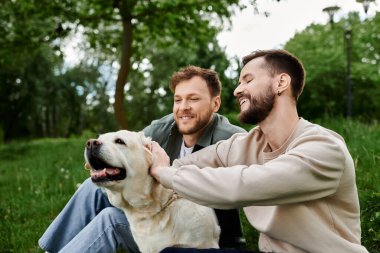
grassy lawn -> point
(38, 177)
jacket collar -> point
(207, 136)
(175, 138)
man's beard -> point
(259, 108)
(198, 126)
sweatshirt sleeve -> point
(206, 157)
(310, 169)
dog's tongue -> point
(104, 172)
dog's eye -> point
(119, 141)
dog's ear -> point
(147, 141)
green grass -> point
(38, 177)
(363, 141)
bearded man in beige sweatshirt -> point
(295, 179)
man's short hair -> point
(211, 78)
(281, 61)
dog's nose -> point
(93, 143)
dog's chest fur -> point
(154, 233)
(181, 224)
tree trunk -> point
(122, 77)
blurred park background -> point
(70, 69)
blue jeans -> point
(88, 223)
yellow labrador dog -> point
(120, 163)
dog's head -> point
(118, 156)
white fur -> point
(158, 217)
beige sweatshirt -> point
(301, 197)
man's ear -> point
(283, 83)
(216, 102)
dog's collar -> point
(172, 198)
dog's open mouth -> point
(102, 172)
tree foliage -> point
(130, 27)
(322, 49)
(43, 96)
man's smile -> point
(242, 100)
(186, 117)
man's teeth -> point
(185, 117)
(243, 101)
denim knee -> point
(88, 186)
(113, 215)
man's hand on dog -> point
(160, 160)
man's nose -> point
(238, 90)
(184, 105)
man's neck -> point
(190, 140)
(279, 125)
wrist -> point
(154, 172)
